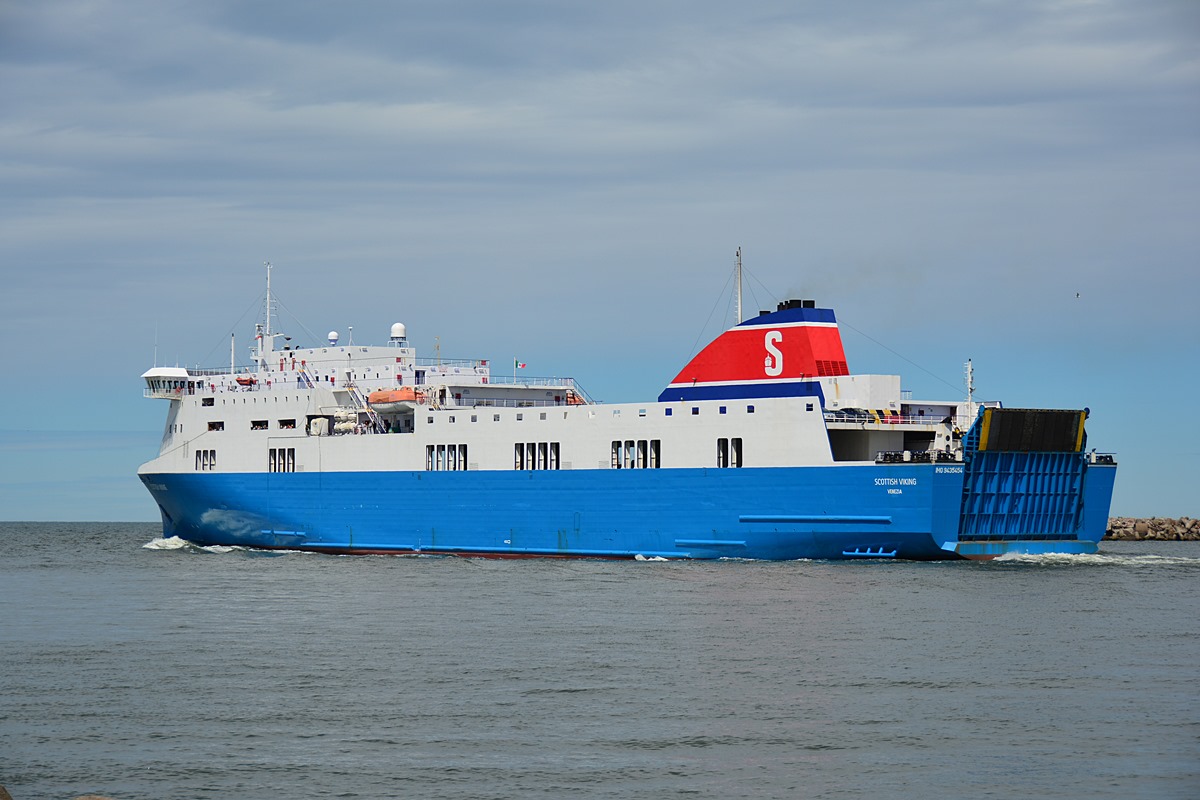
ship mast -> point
(268, 263)
(266, 342)
(969, 372)
(739, 286)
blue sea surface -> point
(138, 667)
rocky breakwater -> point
(1184, 529)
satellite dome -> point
(399, 331)
(333, 338)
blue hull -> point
(910, 511)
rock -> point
(4, 795)
(1153, 529)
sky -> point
(1014, 183)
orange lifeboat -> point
(246, 380)
(386, 400)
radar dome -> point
(399, 331)
(333, 338)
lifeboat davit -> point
(389, 400)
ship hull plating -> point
(905, 511)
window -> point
(216, 425)
(206, 460)
(258, 425)
(729, 452)
(206, 401)
(695, 410)
(452, 457)
(639, 454)
(281, 459)
(536, 455)
(287, 424)
(749, 409)
(669, 412)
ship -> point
(763, 446)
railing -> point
(916, 456)
(302, 378)
(510, 403)
(894, 419)
(469, 363)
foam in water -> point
(176, 543)
(171, 543)
(1097, 560)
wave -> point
(170, 543)
(176, 543)
(1098, 560)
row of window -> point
(639, 454)
(211, 401)
(696, 410)
(536, 455)
(629, 454)
(255, 425)
(281, 459)
(451, 418)
(440, 457)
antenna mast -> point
(970, 372)
(268, 263)
(739, 286)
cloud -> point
(570, 181)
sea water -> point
(138, 667)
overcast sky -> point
(1011, 182)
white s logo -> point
(774, 361)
